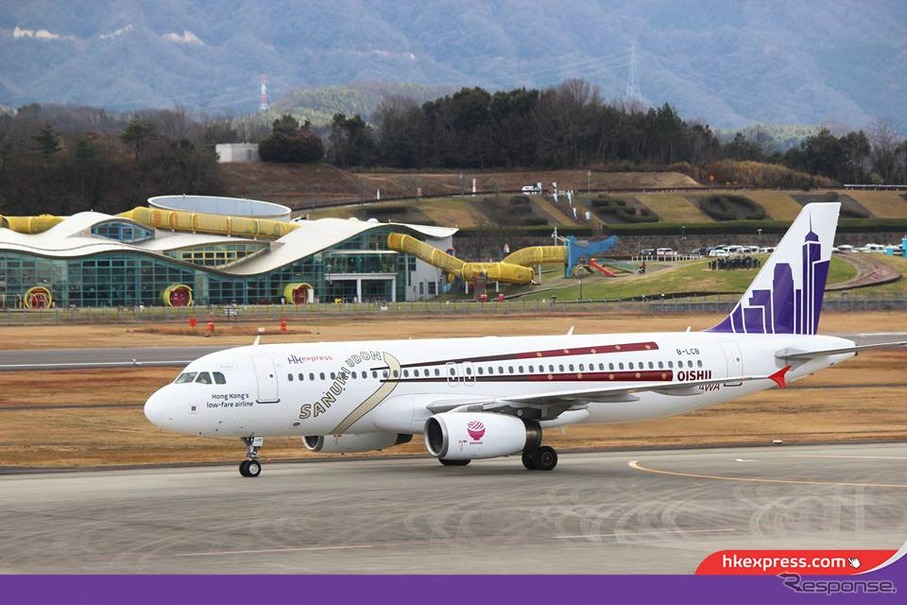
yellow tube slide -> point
(431, 255)
(199, 222)
(537, 255)
(510, 270)
(30, 224)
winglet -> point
(778, 376)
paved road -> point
(68, 359)
(64, 359)
(596, 513)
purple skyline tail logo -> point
(784, 308)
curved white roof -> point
(224, 206)
(72, 238)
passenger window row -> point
(501, 370)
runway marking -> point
(634, 464)
(271, 550)
(848, 456)
(659, 532)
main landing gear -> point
(251, 467)
(542, 458)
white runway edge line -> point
(634, 464)
(272, 550)
(853, 456)
(655, 532)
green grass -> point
(671, 280)
(673, 208)
(779, 205)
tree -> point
(884, 145)
(823, 154)
(400, 125)
(352, 141)
(857, 152)
(288, 142)
(138, 134)
(47, 144)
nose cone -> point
(159, 408)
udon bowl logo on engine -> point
(476, 429)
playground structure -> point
(515, 268)
(506, 271)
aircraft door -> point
(734, 359)
(266, 377)
(460, 373)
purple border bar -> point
(431, 590)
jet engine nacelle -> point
(468, 436)
(365, 442)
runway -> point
(73, 359)
(649, 511)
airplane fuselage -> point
(395, 386)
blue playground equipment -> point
(577, 250)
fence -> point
(721, 303)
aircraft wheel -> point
(250, 468)
(448, 462)
(253, 468)
(544, 458)
(527, 459)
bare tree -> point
(884, 140)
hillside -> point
(671, 198)
(728, 64)
(306, 186)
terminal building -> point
(202, 250)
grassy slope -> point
(679, 278)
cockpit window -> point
(219, 378)
(185, 377)
(203, 378)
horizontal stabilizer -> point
(797, 354)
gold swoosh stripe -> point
(373, 400)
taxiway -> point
(649, 511)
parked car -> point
(647, 252)
(719, 252)
(664, 252)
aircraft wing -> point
(551, 405)
(798, 354)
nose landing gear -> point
(251, 467)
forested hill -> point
(728, 64)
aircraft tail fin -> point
(786, 296)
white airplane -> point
(474, 398)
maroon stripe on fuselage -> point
(630, 347)
(641, 376)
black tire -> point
(544, 458)
(448, 462)
(253, 468)
(527, 460)
(244, 468)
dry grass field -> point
(94, 418)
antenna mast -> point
(263, 92)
